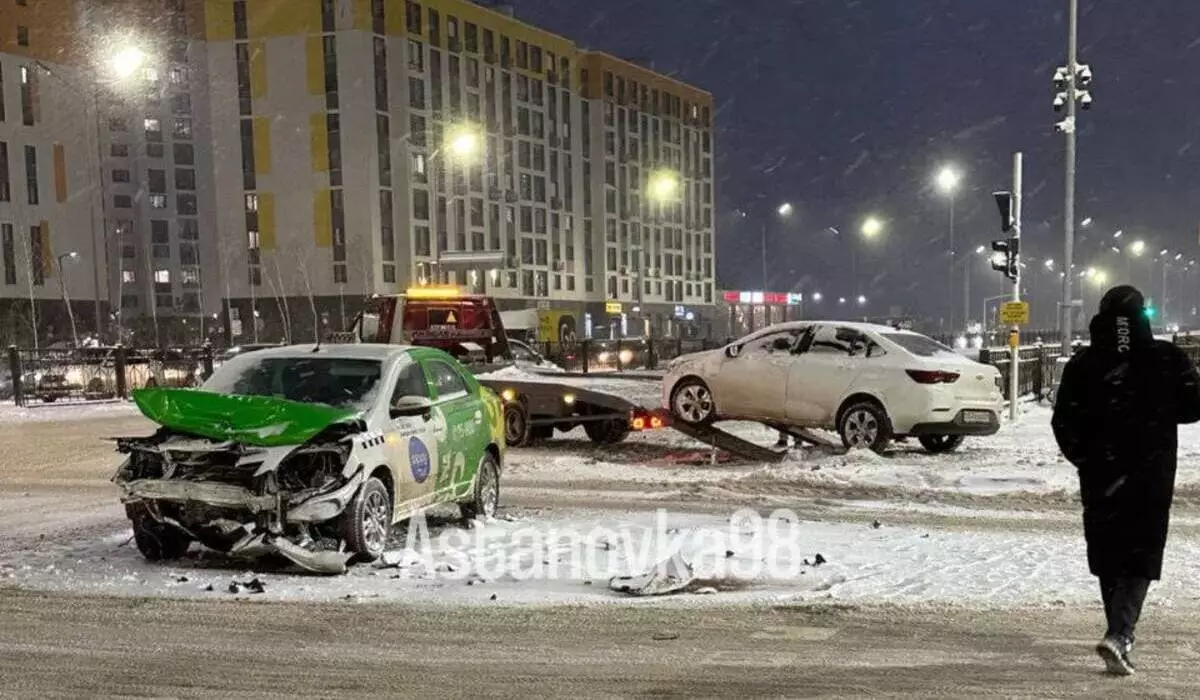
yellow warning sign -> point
(451, 319)
(1015, 312)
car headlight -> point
(626, 356)
(977, 342)
(960, 342)
(603, 356)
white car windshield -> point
(919, 345)
(335, 381)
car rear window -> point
(334, 381)
(920, 345)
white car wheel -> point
(865, 426)
(692, 402)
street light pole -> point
(764, 256)
(1069, 198)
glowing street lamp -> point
(663, 185)
(127, 61)
(784, 210)
(462, 142)
(817, 297)
(862, 300)
(1137, 248)
(947, 180)
(872, 227)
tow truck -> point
(535, 403)
(469, 325)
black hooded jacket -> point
(1115, 418)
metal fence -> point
(48, 375)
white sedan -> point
(870, 383)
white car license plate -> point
(977, 416)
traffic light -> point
(1004, 200)
(1150, 310)
(1006, 256)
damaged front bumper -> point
(242, 499)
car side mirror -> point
(408, 406)
(732, 351)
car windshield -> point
(335, 381)
(917, 344)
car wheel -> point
(516, 425)
(692, 402)
(157, 541)
(367, 521)
(865, 425)
(606, 432)
(937, 444)
(485, 499)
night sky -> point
(847, 108)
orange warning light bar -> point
(434, 291)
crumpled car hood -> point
(251, 420)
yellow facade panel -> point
(60, 173)
(271, 18)
(500, 23)
(266, 220)
(47, 252)
(262, 145)
(322, 219)
(314, 65)
(218, 20)
(258, 68)
(362, 14)
(319, 142)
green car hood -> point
(262, 421)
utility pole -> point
(1068, 82)
(1014, 335)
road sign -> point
(612, 307)
(1015, 312)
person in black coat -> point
(1115, 419)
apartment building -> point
(51, 247)
(271, 163)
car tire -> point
(516, 425)
(367, 522)
(485, 496)
(606, 432)
(939, 444)
(157, 541)
(865, 425)
(692, 402)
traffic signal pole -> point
(1014, 334)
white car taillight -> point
(932, 376)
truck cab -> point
(436, 316)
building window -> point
(122, 201)
(182, 128)
(185, 154)
(333, 127)
(189, 230)
(249, 181)
(412, 17)
(185, 179)
(384, 141)
(119, 150)
(158, 201)
(416, 55)
(329, 44)
(28, 96)
(31, 174)
(5, 187)
(387, 239)
(120, 175)
(36, 256)
(153, 129)
(381, 75)
(22, 36)
(416, 93)
(185, 204)
(8, 252)
(157, 180)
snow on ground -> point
(558, 560)
(1022, 458)
(11, 413)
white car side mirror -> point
(411, 406)
(732, 351)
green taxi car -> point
(311, 452)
